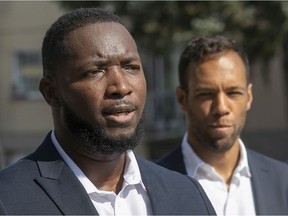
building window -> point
(27, 72)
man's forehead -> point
(100, 31)
(109, 35)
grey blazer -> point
(269, 180)
(42, 184)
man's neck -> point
(224, 163)
(104, 171)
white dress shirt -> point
(238, 199)
(131, 200)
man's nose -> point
(117, 83)
(220, 105)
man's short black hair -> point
(203, 48)
(54, 50)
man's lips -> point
(119, 114)
(221, 127)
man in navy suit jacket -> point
(215, 93)
(94, 83)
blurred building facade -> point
(25, 118)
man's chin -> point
(119, 134)
(222, 146)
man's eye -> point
(205, 94)
(235, 93)
(132, 68)
(96, 72)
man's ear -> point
(249, 96)
(49, 91)
(181, 98)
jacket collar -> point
(261, 183)
(59, 182)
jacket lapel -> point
(152, 183)
(261, 184)
(179, 160)
(60, 183)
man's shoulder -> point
(252, 154)
(171, 156)
(256, 159)
(173, 160)
(22, 168)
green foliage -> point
(161, 26)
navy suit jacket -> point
(42, 184)
(269, 180)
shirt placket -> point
(233, 188)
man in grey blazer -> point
(215, 93)
(94, 83)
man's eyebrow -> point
(236, 88)
(98, 63)
(105, 63)
(91, 63)
(203, 88)
(129, 59)
(206, 88)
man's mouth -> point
(120, 114)
(221, 127)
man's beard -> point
(94, 137)
(214, 143)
